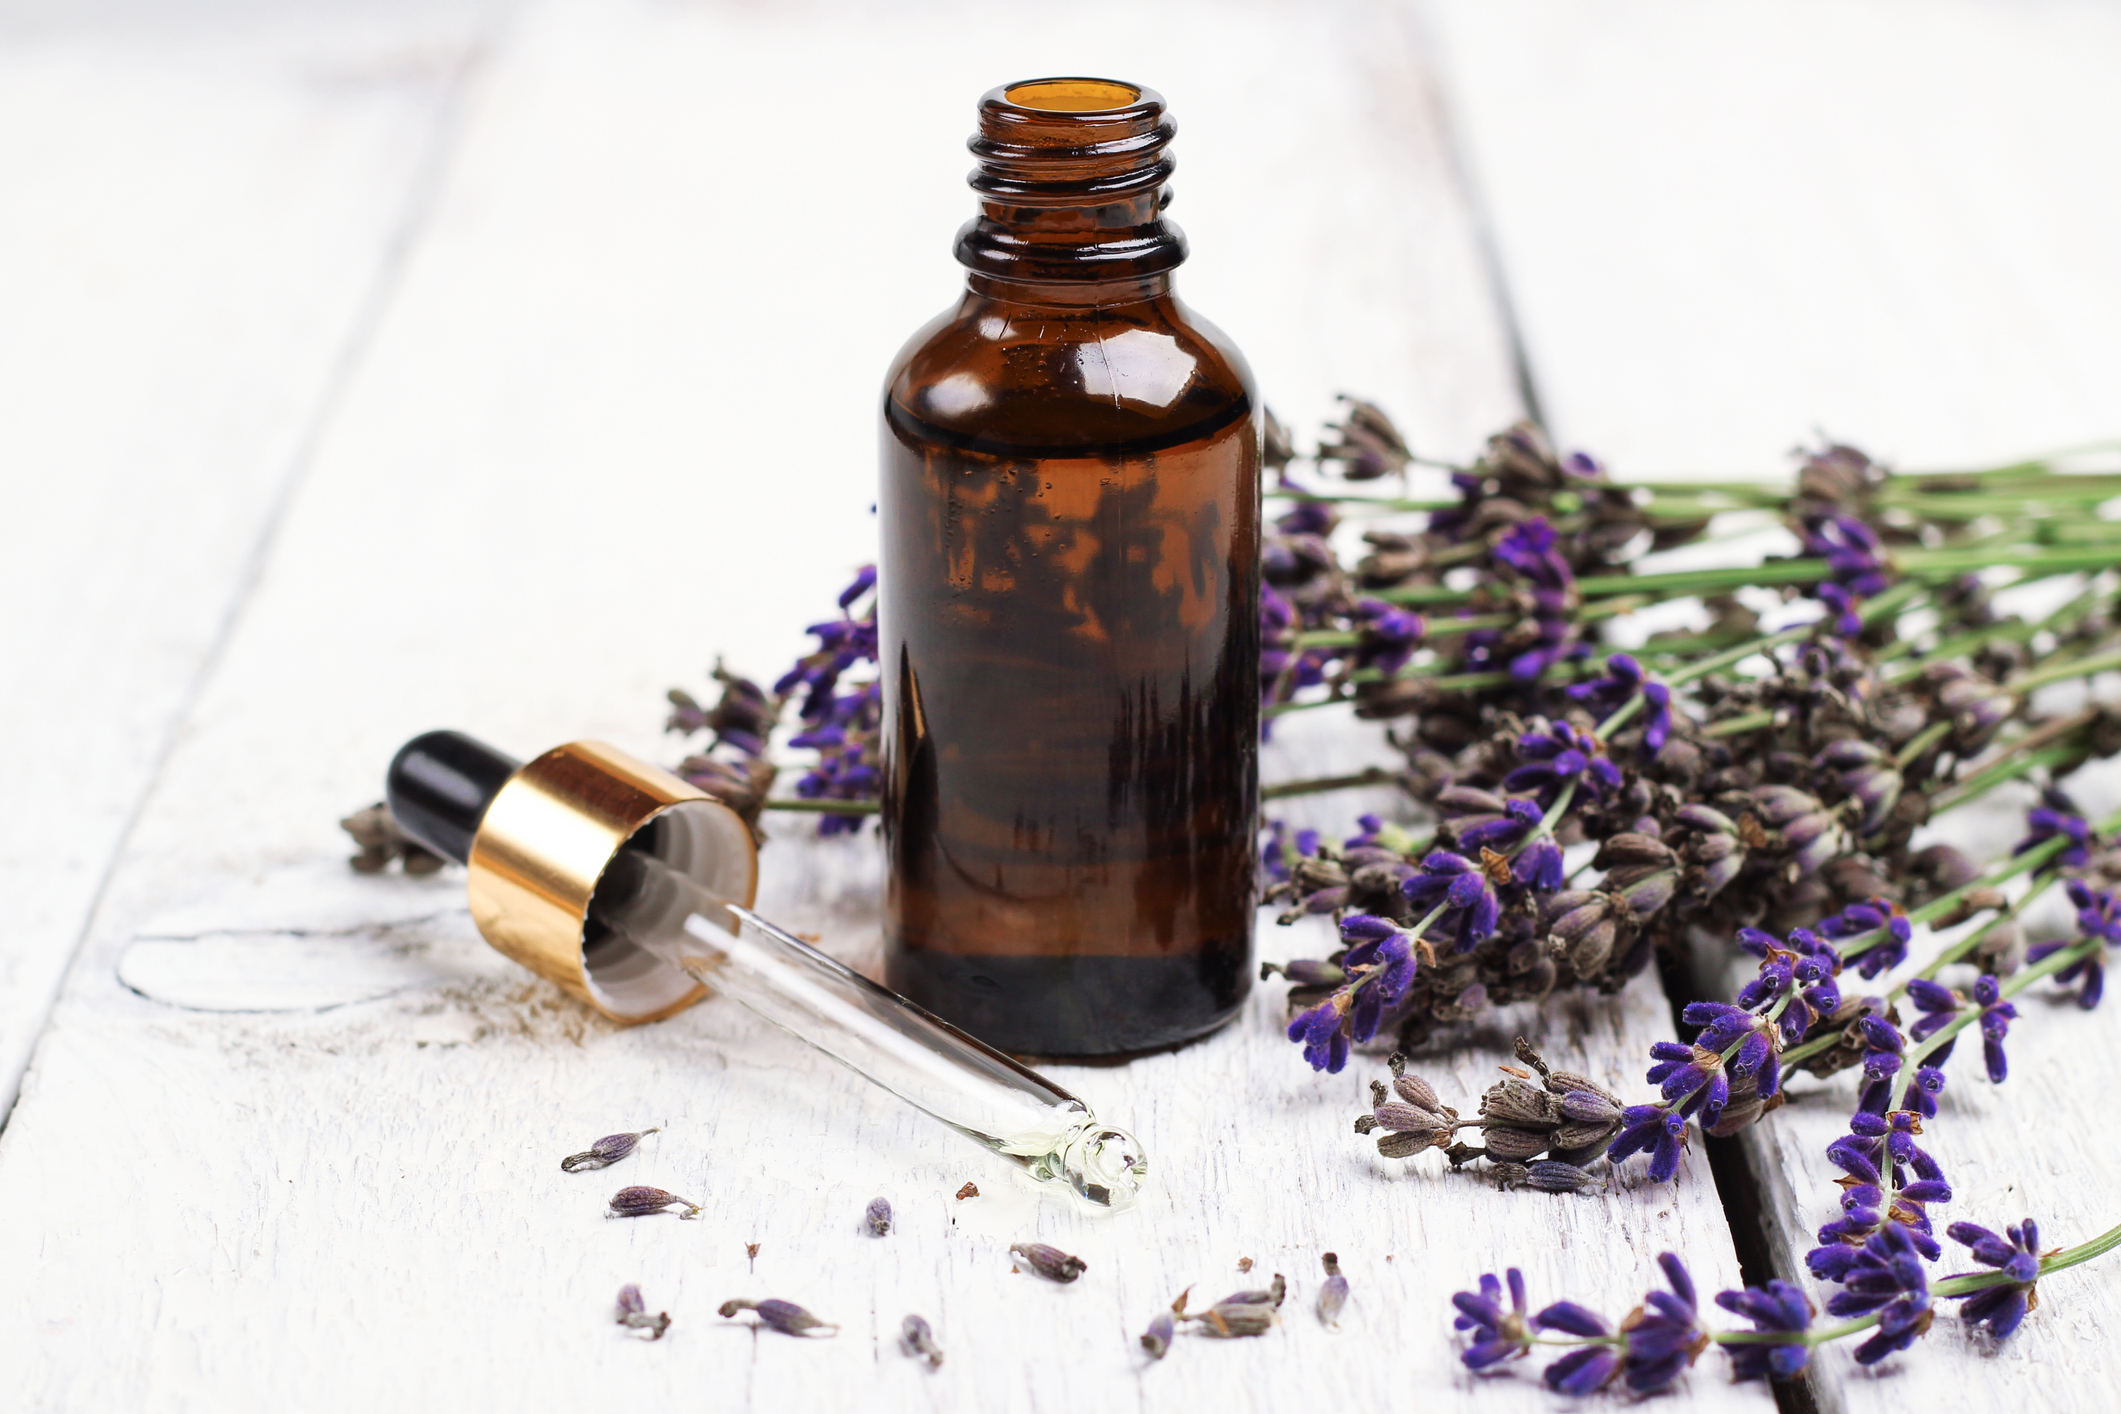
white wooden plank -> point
(1872, 218)
(620, 417)
(194, 231)
(1726, 226)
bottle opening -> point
(1072, 95)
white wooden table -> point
(342, 350)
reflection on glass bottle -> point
(1069, 607)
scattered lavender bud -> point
(878, 1216)
(380, 840)
(917, 1340)
(1553, 1176)
(1334, 1294)
(605, 1152)
(640, 1202)
(1157, 1339)
(1244, 1264)
(1270, 1297)
(783, 1316)
(1050, 1262)
(633, 1313)
(1226, 1322)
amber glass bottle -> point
(1070, 606)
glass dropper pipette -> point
(632, 889)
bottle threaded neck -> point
(1072, 182)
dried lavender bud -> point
(640, 1202)
(878, 1216)
(1417, 1091)
(970, 1190)
(380, 840)
(783, 1316)
(633, 1312)
(918, 1341)
(1050, 1262)
(1226, 1322)
(2001, 950)
(1402, 1146)
(1244, 1264)
(1508, 1144)
(1334, 1294)
(1520, 1103)
(605, 1152)
(1269, 1297)
(1157, 1339)
(1553, 1176)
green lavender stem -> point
(1949, 1287)
(1920, 564)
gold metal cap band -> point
(545, 841)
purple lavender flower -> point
(1498, 1333)
(1854, 558)
(1842, 609)
(1379, 966)
(1691, 1079)
(1589, 1367)
(1462, 890)
(1307, 517)
(2001, 1307)
(1886, 1279)
(1778, 1307)
(1625, 678)
(1668, 1336)
(2098, 916)
(1558, 757)
(1724, 1026)
(1860, 919)
(864, 581)
(1498, 832)
(1387, 635)
(1996, 1018)
(1803, 969)
(1656, 1130)
(1529, 553)
(2058, 815)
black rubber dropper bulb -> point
(439, 786)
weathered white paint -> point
(197, 227)
(619, 406)
(1728, 225)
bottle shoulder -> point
(1000, 375)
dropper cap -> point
(538, 836)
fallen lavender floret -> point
(917, 1340)
(1157, 1339)
(1050, 1262)
(641, 1201)
(605, 1152)
(783, 1316)
(1333, 1296)
(633, 1312)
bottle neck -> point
(1071, 295)
(1072, 180)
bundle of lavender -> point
(1755, 780)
